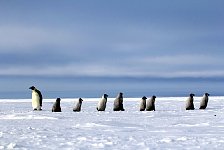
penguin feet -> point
(35, 109)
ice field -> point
(169, 127)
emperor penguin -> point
(190, 102)
(150, 104)
(78, 105)
(143, 103)
(57, 107)
(36, 98)
(204, 101)
(118, 103)
(102, 103)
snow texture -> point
(169, 127)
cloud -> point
(105, 38)
(181, 60)
(123, 51)
(26, 38)
(165, 66)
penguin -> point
(78, 105)
(57, 107)
(102, 103)
(36, 98)
(143, 103)
(190, 102)
(118, 103)
(150, 104)
(204, 101)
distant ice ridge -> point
(169, 127)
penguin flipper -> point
(41, 97)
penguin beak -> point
(32, 88)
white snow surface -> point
(169, 127)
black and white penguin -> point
(150, 104)
(143, 103)
(118, 103)
(102, 103)
(36, 98)
(204, 101)
(190, 102)
(78, 105)
(57, 107)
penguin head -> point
(80, 100)
(192, 95)
(144, 98)
(58, 100)
(206, 94)
(105, 95)
(120, 95)
(32, 88)
(153, 96)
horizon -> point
(68, 87)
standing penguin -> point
(150, 105)
(204, 101)
(190, 102)
(36, 98)
(143, 103)
(118, 103)
(78, 105)
(57, 107)
(102, 103)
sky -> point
(62, 40)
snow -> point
(169, 127)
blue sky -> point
(139, 39)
